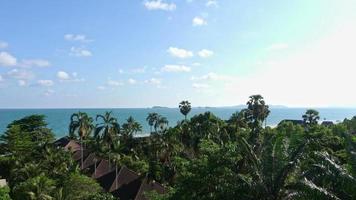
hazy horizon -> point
(144, 53)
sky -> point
(143, 53)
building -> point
(125, 184)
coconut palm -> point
(185, 108)
(151, 119)
(81, 125)
(311, 117)
(131, 127)
(161, 123)
(107, 130)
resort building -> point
(124, 183)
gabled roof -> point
(107, 180)
(293, 121)
(327, 123)
(124, 177)
(90, 160)
(147, 186)
(102, 169)
(77, 155)
(128, 191)
(67, 144)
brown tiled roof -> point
(107, 180)
(124, 177)
(102, 169)
(128, 191)
(77, 155)
(67, 144)
(126, 185)
(147, 186)
(90, 160)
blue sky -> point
(134, 53)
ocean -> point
(58, 119)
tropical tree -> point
(161, 123)
(81, 125)
(131, 127)
(185, 108)
(257, 113)
(37, 188)
(151, 119)
(311, 117)
(107, 129)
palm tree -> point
(161, 123)
(116, 158)
(131, 127)
(108, 129)
(151, 119)
(82, 125)
(185, 108)
(311, 117)
(257, 112)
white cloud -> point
(199, 21)
(63, 75)
(180, 53)
(212, 77)
(20, 74)
(320, 73)
(46, 83)
(278, 46)
(76, 37)
(101, 88)
(35, 63)
(196, 64)
(132, 81)
(211, 3)
(153, 81)
(159, 5)
(175, 68)
(200, 85)
(139, 70)
(3, 45)
(21, 83)
(204, 53)
(114, 83)
(7, 59)
(80, 52)
(1, 79)
(48, 92)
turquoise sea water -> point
(58, 119)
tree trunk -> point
(81, 153)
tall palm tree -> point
(257, 113)
(82, 125)
(185, 108)
(311, 117)
(151, 119)
(131, 126)
(117, 159)
(161, 123)
(107, 129)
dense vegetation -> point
(203, 157)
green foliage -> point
(5, 193)
(80, 187)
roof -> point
(147, 186)
(128, 191)
(102, 169)
(327, 123)
(77, 155)
(67, 144)
(293, 121)
(90, 160)
(126, 184)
